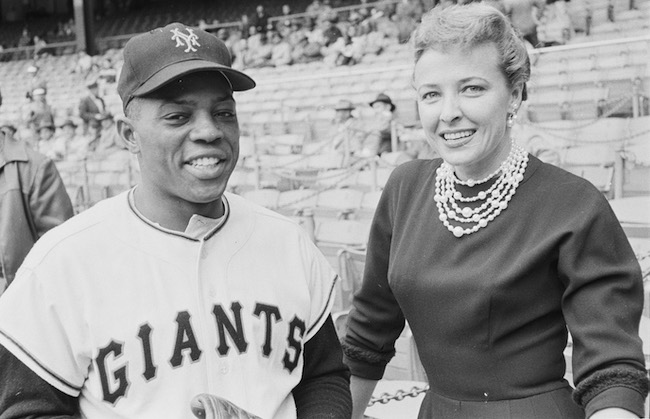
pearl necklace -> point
(496, 197)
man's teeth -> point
(457, 135)
(205, 161)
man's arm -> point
(49, 200)
(23, 394)
(324, 391)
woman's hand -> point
(613, 413)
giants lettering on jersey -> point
(115, 381)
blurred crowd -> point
(87, 132)
(320, 33)
(337, 37)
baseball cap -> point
(155, 58)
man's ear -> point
(127, 132)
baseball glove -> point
(209, 406)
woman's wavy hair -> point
(466, 26)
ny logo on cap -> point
(189, 40)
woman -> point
(490, 254)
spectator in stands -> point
(254, 39)
(48, 145)
(524, 15)
(341, 52)
(92, 105)
(236, 44)
(301, 51)
(481, 276)
(109, 141)
(407, 15)
(244, 25)
(39, 112)
(66, 137)
(384, 122)
(285, 18)
(331, 32)
(366, 22)
(33, 201)
(39, 46)
(349, 134)
(382, 23)
(318, 11)
(259, 56)
(25, 41)
(87, 146)
(261, 19)
(83, 64)
(281, 50)
(555, 24)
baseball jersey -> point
(135, 320)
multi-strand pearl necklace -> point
(494, 200)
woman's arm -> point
(613, 413)
(361, 389)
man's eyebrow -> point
(180, 101)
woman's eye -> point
(430, 95)
(474, 89)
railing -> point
(26, 53)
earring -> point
(512, 116)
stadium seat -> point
(265, 197)
(339, 203)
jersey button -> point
(224, 368)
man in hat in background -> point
(39, 112)
(385, 124)
(175, 291)
(350, 133)
(48, 144)
(66, 137)
(91, 106)
(109, 141)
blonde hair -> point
(466, 26)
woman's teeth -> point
(204, 161)
(457, 135)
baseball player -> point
(174, 289)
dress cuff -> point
(620, 397)
(616, 387)
(363, 363)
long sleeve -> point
(23, 394)
(324, 390)
(602, 305)
(375, 310)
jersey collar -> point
(198, 228)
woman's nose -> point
(450, 109)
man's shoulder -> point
(84, 227)
(261, 219)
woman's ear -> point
(128, 134)
(517, 95)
